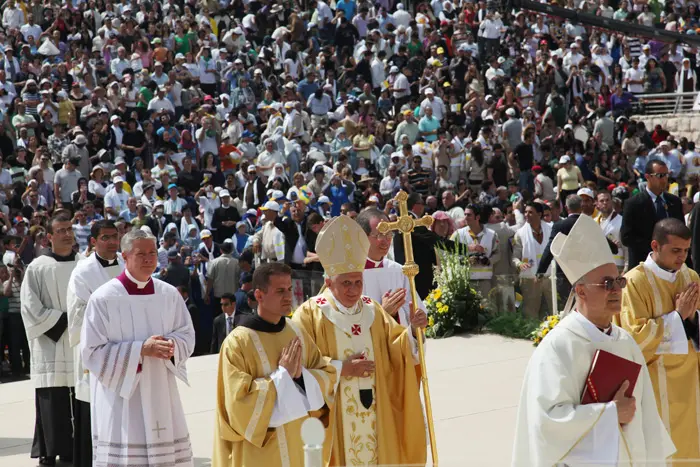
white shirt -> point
(634, 75)
(378, 73)
(116, 200)
(33, 30)
(12, 18)
(401, 83)
(490, 29)
(159, 104)
(437, 105)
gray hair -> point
(573, 203)
(129, 238)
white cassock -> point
(554, 428)
(137, 415)
(386, 276)
(88, 275)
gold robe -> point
(397, 435)
(648, 297)
(246, 397)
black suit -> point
(563, 226)
(638, 220)
(291, 236)
(219, 330)
(424, 243)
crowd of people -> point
(234, 131)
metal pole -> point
(313, 434)
(553, 280)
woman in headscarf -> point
(97, 185)
(241, 238)
(188, 145)
(172, 227)
(443, 225)
(192, 239)
(278, 174)
(186, 223)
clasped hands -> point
(688, 301)
(393, 300)
(158, 347)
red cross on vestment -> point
(356, 329)
(321, 301)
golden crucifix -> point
(405, 224)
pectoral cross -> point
(158, 429)
(405, 224)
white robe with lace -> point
(137, 416)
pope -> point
(377, 418)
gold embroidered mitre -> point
(342, 246)
(584, 249)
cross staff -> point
(405, 224)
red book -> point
(608, 372)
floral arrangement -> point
(454, 305)
(544, 328)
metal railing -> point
(665, 103)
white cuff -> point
(600, 446)
(290, 403)
(674, 340)
(314, 395)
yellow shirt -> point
(569, 178)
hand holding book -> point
(626, 406)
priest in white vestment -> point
(611, 223)
(553, 427)
(44, 307)
(100, 267)
(137, 336)
(384, 280)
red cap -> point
(611, 187)
(537, 168)
(444, 23)
(208, 98)
(543, 42)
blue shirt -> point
(306, 89)
(429, 124)
(348, 6)
(338, 197)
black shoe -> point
(47, 461)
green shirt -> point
(148, 94)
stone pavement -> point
(474, 382)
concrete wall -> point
(679, 125)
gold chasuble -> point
(648, 313)
(377, 420)
(248, 400)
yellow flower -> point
(431, 321)
(437, 293)
(438, 305)
(443, 309)
(544, 333)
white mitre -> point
(342, 246)
(583, 250)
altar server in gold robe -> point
(271, 378)
(659, 308)
(378, 417)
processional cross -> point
(405, 224)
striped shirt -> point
(14, 301)
(82, 235)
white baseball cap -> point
(564, 159)
(271, 206)
(223, 193)
(324, 200)
(586, 192)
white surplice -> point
(389, 277)
(554, 428)
(86, 278)
(137, 416)
(43, 300)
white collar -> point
(668, 276)
(138, 283)
(376, 263)
(343, 309)
(653, 196)
(594, 331)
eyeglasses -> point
(611, 283)
(663, 175)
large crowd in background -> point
(236, 129)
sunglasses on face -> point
(659, 176)
(610, 283)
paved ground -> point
(474, 382)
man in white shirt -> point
(634, 78)
(494, 73)
(119, 64)
(31, 29)
(390, 185)
(401, 16)
(490, 31)
(573, 58)
(116, 199)
(435, 103)
(159, 102)
(12, 17)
